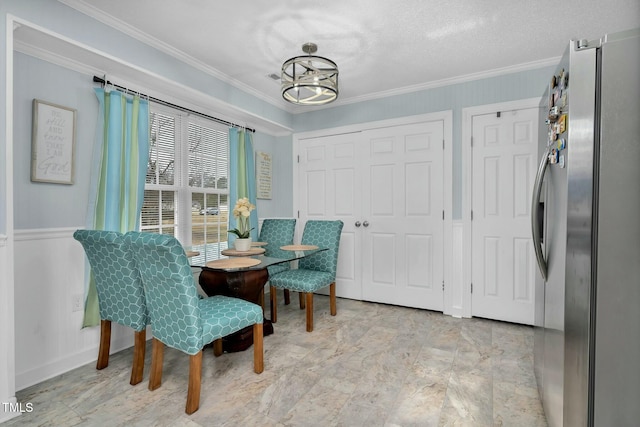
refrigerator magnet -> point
(563, 100)
(561, 160)
(562, 123)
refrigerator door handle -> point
(535, 223)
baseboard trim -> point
(68, 363)
(7, 415)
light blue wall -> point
(66, 21)
(69, 89)
(510, 87)
(280, 148)
(38, 205)
(45, 205)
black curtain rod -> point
(102, 81)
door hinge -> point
(472, 141)
(443, 285)
(498, 114)
(472, 215)
(443, 215)
(298, 214)
(443, 144)
(298, 158)
(472, 288)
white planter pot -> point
(242, 245)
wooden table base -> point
(247, 285)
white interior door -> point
(402, 215)
(330, 188)
(386, 185)
(504, 166)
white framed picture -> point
(52, 143)
(263, 175)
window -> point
(186, 190)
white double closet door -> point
(386, 185)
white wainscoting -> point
(49, 271)
(49, 338)
(7, 359)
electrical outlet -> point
(77, 302)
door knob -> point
(357, 224)
(366, 223)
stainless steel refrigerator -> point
(586, 235)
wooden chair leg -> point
(287, 297)
(274, 304)
(258, 348)
(157, 354)
(137, 370)
(261, 299)
(217, 347)
(195, 379)
(309, 311)
(105, 343)
(332, 299)
(301, 299)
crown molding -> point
(145, 38)
(87, 60)
(91, 11)
(444, 82)
(54, 58)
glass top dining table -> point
(213, 252)
(240, 282)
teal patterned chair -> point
(179, 317)
(314, 272)
(120, 294)
(277, 233)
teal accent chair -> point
(120, 293)
(314, 272)
(277, 233)
(180, 318)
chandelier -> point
(309, 80)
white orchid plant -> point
(241, 212)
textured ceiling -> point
(381, 47)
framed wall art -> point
(52, 143)
(263, 175)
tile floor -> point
(371, 365)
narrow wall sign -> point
(52, 143)
(263, 175)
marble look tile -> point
(370, 391)
(515, 404)
(419, 402)
(433, 362)
(355, 414)
(371, 365)
(320, 406)
(468, 401)
(286, 391)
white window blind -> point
(186, 190)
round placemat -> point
(298, 247)
(233, 263)
(250, 252)
(259, 243)
(192, 253)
